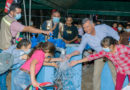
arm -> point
(53, 28)
(52, 59)
(16, 26)
(89, 58)
(80, 48)
(72, 54)
(32, 73)
(66, 41)
(34, 30)
(50, 64)
(55, 59)
(74, 39)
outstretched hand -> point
(73, 63)
(68, 56)
(55, 65)
(47, 32)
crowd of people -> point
(106, 41)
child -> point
(118, 54)
(20, 52)
(37, 57)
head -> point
(15, 11)
(120, 27)
(128, 22)
(48, 48)
(98, 22)
(114, 25)
(108, 43)
(55, 17)
(128, 26)
(69, 21)
(88, 26)
(24, 45)
(127, 29)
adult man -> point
(8, 31)
(54, 25)
(93, 36)
(70, 33)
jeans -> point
(21, 80)
(3, 79)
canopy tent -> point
(100, 7)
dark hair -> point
(68, 17)
(44, 46)
(14, 6)
(23, 42)
(108, 41)
(55, 12)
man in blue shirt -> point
(54, 25)
(93, 36)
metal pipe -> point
(30, 4)
(61, 50)
(72, 45)
(25, 16)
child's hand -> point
(25, 57)
(68, 56)
(73, 63)
(129, 84)
(35, 84)
(55, 65)
(60, 59)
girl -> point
(20, 52)
(118, 54)
(38, 57)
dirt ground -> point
(8, 80)
(87, 77)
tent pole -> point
(29, 16)
(91, 17)
(25, 16)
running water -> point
(63, 76)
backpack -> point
(6, 61)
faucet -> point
(61, 50)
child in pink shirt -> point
(118, 54)
(37, 58)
